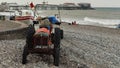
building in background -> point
(73, 6)
(4, 6)
(46, 6)
(69, 6)
(15, 6)
(85, 6)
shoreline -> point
(93, 28)
(4, 25)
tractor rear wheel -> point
(57, 37)
(62, 34)
(29, 37)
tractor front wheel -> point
(24, 55)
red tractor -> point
(40, 44)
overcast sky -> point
(94, 3)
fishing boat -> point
(25, 15)
(18, 15)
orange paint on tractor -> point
(43, 30)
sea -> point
(104, 17)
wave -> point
(110, 23)
(103, 21)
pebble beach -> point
(83, 46)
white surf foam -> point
(109, 22)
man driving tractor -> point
(45, 27)
(46, 24)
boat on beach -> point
(18, 15)
(25, 15)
